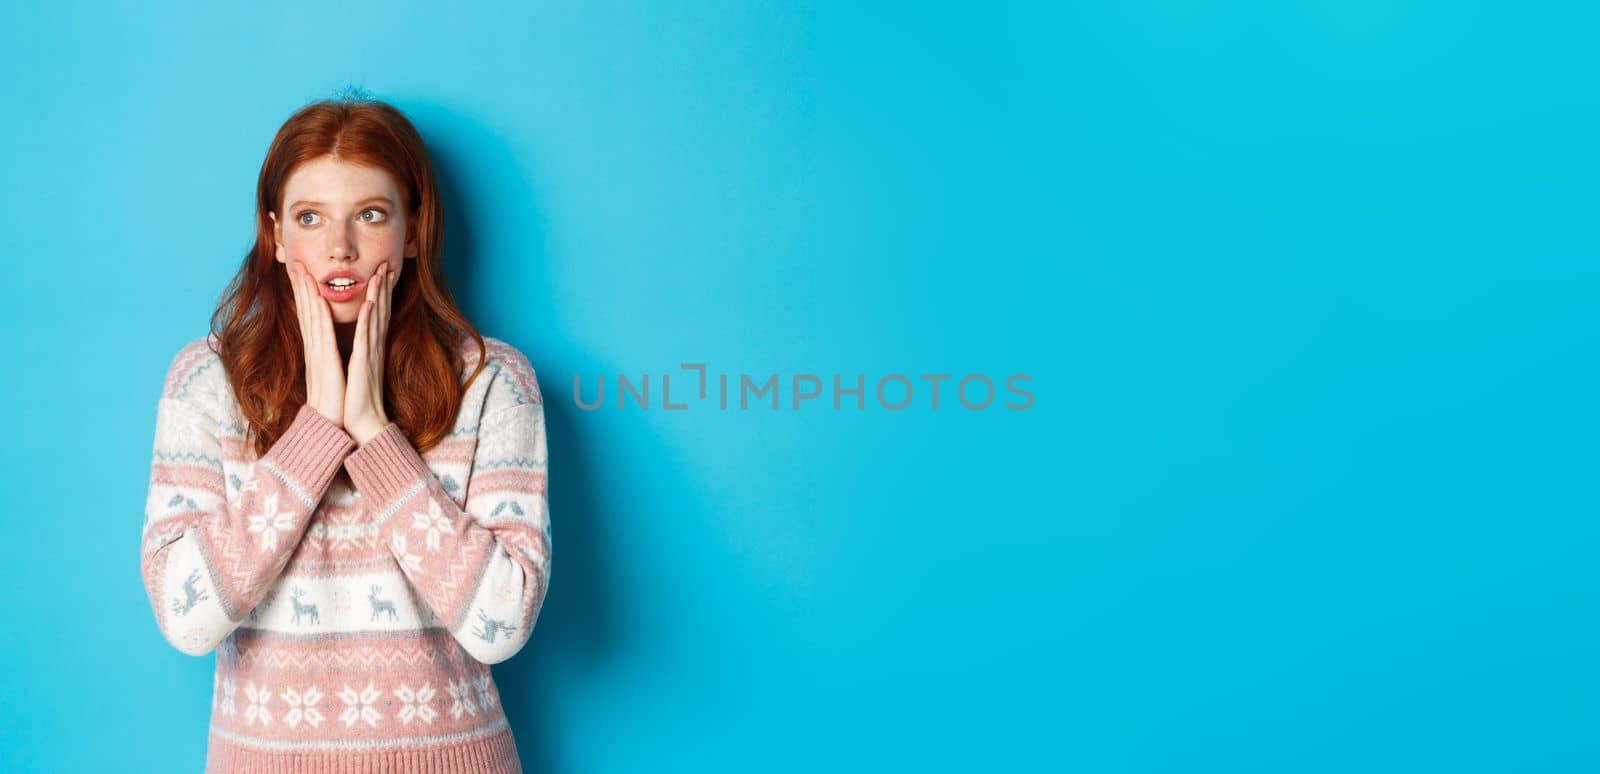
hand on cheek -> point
(363, 398)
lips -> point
(332, 294)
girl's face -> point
(339, 219)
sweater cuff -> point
(311, 449)
(386, 465)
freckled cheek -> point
(301, 248)
(305, 249)
(381, 246)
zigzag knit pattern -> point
(354, 618)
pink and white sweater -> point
(354, 626)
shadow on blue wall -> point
(575, 627)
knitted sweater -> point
(354, 618)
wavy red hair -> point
(256, 325)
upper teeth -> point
(341, 282)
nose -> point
(341, 246)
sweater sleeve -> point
(208, 556)
(482, 570)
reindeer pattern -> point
(490, 626)
(192, 596)
(336, 600)
(385, 604)
(381, 605)
(301, 608)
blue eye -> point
(381, 216)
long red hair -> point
(256, 324)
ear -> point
(411, 246)
(277, 237)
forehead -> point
(325, 179)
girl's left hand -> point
(363, 393)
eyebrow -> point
(384, 199)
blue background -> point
(1306, 292)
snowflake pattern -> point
(270, 522)
(481, 685)
(468, 696)
(302, 706)
(461, 693)
(359, 705)
(256, 710)
(403, 553)
(340, 530)
(227, 689)
(418, 704)
(433, 522)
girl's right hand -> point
(324, 366)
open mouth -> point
(342, 288)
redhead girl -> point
(347, 495)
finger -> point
(382, 337)
(319, 316)
(369, 306)
(294, 287)
(325, 322)
(381, 317)
(358, 349)
(310, 331)
(302, 309)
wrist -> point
(363, 430)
